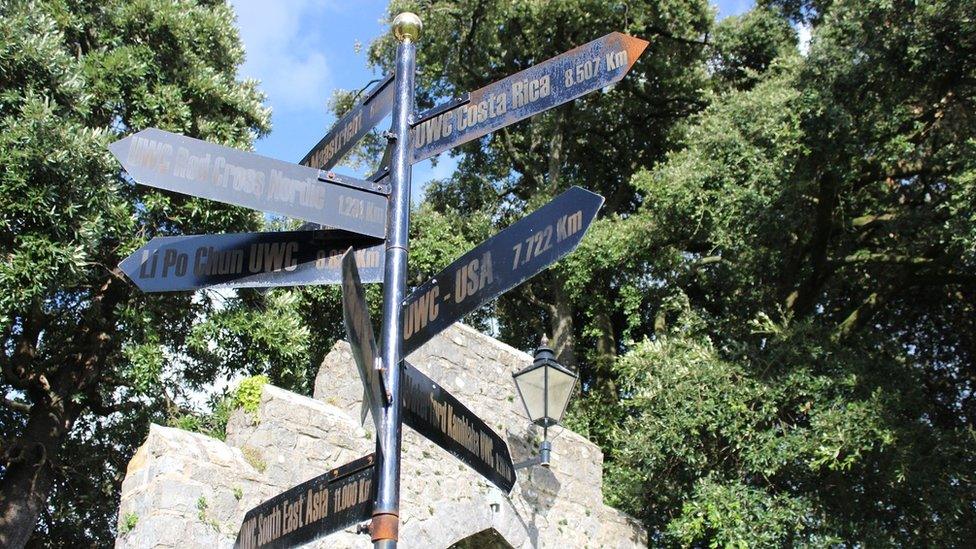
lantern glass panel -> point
(560, 389)
(531, 387)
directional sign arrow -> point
(250, 260)
(181, 164)
(563, 78)
(313, 509)
(376, 104)
(433, 412)
(497, 265)
(359, 333)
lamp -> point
(544, 387)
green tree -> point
(810, 379)
(589, 308)
(745, 45)
(88, 360)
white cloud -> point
(281, 53)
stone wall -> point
(187, 490)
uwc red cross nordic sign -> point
(362, 237)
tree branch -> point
(859, 317)
(665, 34)
(802, 299)
(16, 406)
(98, 407)
(863, 313)
(881, 258)
(518, 159)
(531, 297)
(18, 368)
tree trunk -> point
(603, 382)
(30, 461)
(606, 342)
(28, 473)
(563, 338)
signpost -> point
(498, 264)
(385, 526)
(376, 208)
(541, 87)
(359, 333)
(433, 412)
(181, 164)
(250, 260)
(315, 508)
(373, 106)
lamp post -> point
(544, 387)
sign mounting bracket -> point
(431, 113)
(377, 186)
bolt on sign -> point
(189, 166)
(313, 509)
(539, 88)
(250, 260)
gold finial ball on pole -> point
(407, 27)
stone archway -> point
(485, 539)
(187, 490)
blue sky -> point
(302, 50)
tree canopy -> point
(88, 360)
(773, 317)
(813, 381)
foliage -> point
(129, 522)
(809, 379)
(597, 141)
(253, 457)
(265, 332)
(204, 517)
(88, 361)
(773, 316)
(745, 45)
(212, 423)
(247, 396)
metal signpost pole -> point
(386, 513)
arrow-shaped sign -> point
(376, 104)
(181, 164)
(497, 265)
(563, 78)
(433, 412)
(250, 260)
(359, 333)
(313, 509)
